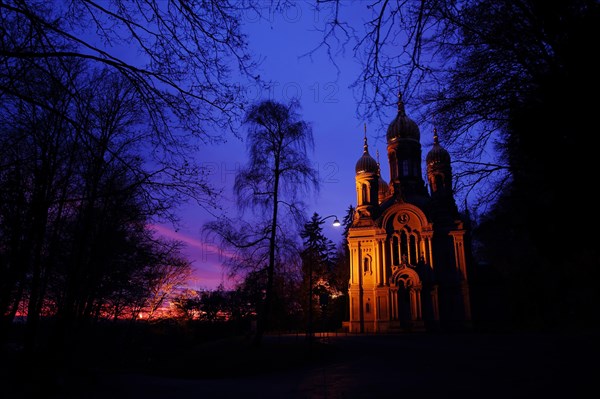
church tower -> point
(408, 268)
(367, 182)
(439, 176)
(404, 154)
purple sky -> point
(327, 103)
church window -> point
(367, 307)
(404, 244)
(393, 166)
(413, 250)
(364, 194)
(439, 182)
(395, 251)
(405, 167)
(366, 264)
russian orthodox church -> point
(408, 245)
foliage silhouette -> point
(76, 204)
(507, 83)
(278, 173)
(318, 261)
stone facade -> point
(408, 244)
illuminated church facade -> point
(408, 244)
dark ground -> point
(459, 365)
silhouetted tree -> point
(69, 64)
(510, 78)
(341, 273)
(278, 173)
(78, 198)
(466, 67)
(318, 260)
(178, 80)
(186, 305)
(38, 158)
(541, 78)
(347, 223)
(161, 278)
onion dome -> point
(366, 163)
(437, 154)
(402, 127)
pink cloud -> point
(206, 258)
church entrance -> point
(406, 298)
(404, 314)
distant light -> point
(336, 222)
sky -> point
(327, 103)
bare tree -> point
(37, 159)
(507, 84)
(184, 65)
(407, 47)
(463, 67)
(277, 174)
(164, 277)
(318, 260)
(179, 56)
(76, 197)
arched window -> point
(395, 251)
(413, 250)
(405, 167)
(365, 199)
(439, 182)
(393, 166)
(366, 264)
(404, 245)
(367, 307)
(432, 183)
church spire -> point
(366, 163)
(365, 145)
(401, 109)
(435, 136)
(367, 172)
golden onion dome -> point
(402, 127)
(366, 163)
(437, 154)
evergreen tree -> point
(318, 261)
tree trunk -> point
(263, 318)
